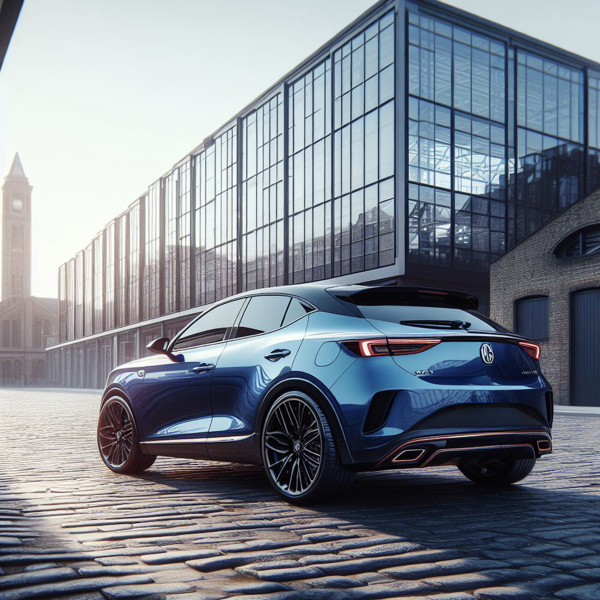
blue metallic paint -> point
(243, 375)
(172, 402)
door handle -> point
(203, 368)
(277, 354)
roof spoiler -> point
(400, 295)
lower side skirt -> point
(232, 448)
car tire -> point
(501, 473)
(290, 453)
(118, 441)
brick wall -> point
(531, 268)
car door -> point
(177, 403)
(261, 352)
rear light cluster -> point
(390, 347)
(532, 349)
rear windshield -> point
(430, 317)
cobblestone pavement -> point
(195, 530)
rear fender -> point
(322, 397)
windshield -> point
(431, 317)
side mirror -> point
(161, 346)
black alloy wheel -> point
(497, 471)
(299, 452)
(117, 439)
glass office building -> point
(417, 146)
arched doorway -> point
(38, 373)
(7, 372)
(585, 348)
(18, 372)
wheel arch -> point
(320, 397)
(116, 390)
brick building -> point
(548, 288)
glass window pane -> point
(262, 315)
(210, 327)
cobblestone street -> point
(185, 529)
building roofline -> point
(490, 26)
(431, 7)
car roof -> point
(314, 293)
(340, 299)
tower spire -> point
(16, 170)
(15, 254)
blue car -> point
(317, 382)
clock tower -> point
(16, 233)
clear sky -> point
(102, 97)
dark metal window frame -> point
(580, 236)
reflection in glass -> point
(151, 274)
(134, 263)
(216, 219)
(309, 168)
(122, 272)
(88, 270)
(109, 293)
(262, 196)
(364, 151)
(98, 283)
(79, 263)
(594, 129)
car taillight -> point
(411, 346)
(532, 349)
(390, 347)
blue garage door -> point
(585, 348)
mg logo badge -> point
(487, 354)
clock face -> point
(17, 204)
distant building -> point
(548, 289)
(28, 324)
(417, 146)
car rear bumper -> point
(438, 449)
(513, 428)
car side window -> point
(262, 315)
(295, 311)
(210, 327)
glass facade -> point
(310, 176)
(216, 218)
(422, 143)
(109, 276)
(178, 220)
(364, 150)
(550, 136)
(457, 134)
(262, 196)
(133, 281)
(99, 283)
(62, 308)
(122, 274)
(171, 184)
(70, 299)
(79, 297)
(152, 230)
(593, 129)
(88, 294)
